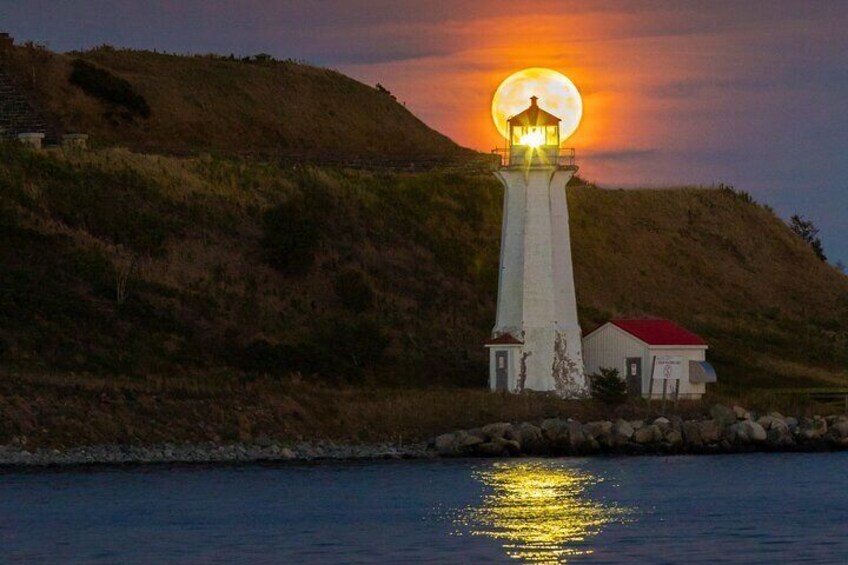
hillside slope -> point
(115, 263)
(193, 104)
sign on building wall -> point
(668, 368)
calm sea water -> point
(727, 509)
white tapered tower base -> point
(536, 339)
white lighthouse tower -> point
(536, 341)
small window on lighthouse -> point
(501, 362)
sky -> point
(753, 94)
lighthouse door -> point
(501, 371)
(634, 376)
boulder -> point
(755, 431)
(692, 434)
(606, 440)
(710, 431)
(530, 437)
(596, 429)
(736, 433)
(792, 423)
(765, 421)
(497, 430)
(498, 447)
(741, 413)
(779, 436)
(840, 429)
(622, 428)
(723, 415)
(647, 434)
(554, 428)
(662, 421)
(812, 428)
(491, 449)
(576, 438)
(470, 440)
(447, 444)
(674, 437)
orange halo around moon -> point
(556, 93)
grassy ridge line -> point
(213, 104)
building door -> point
(501, 371)
(634, 376)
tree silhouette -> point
(807, 231)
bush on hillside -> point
(608, 387)
(807, 230)
(354, 290)
(291, 236)
(105, 86)
(295, 229)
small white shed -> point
(635, 347)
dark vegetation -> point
(109, 88)
(608, 387)
(807, 230)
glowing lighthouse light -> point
(533, 138)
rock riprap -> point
(727, 430)
(264, 449)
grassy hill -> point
(120, 263)
(176, 291)
(191, 104)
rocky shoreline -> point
(263, 451)
(728, 430)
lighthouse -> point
(536, 340)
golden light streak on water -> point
(539, 511)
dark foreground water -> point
(788, 508)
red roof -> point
(658, 332)
(505, 339)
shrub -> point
(295, 229)
(354, 290)
(105, 86)
(807, 230)
(291, 236)
(347, 347)
(608, 387)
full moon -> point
(556, 93)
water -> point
(790, 508)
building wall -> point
(687, 389)
(610, 346)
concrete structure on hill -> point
(19, 119)
(536, 341)
(651, 355)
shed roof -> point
(658, 332)
(505, 339)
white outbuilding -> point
(651, 355)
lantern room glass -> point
(549, 135)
